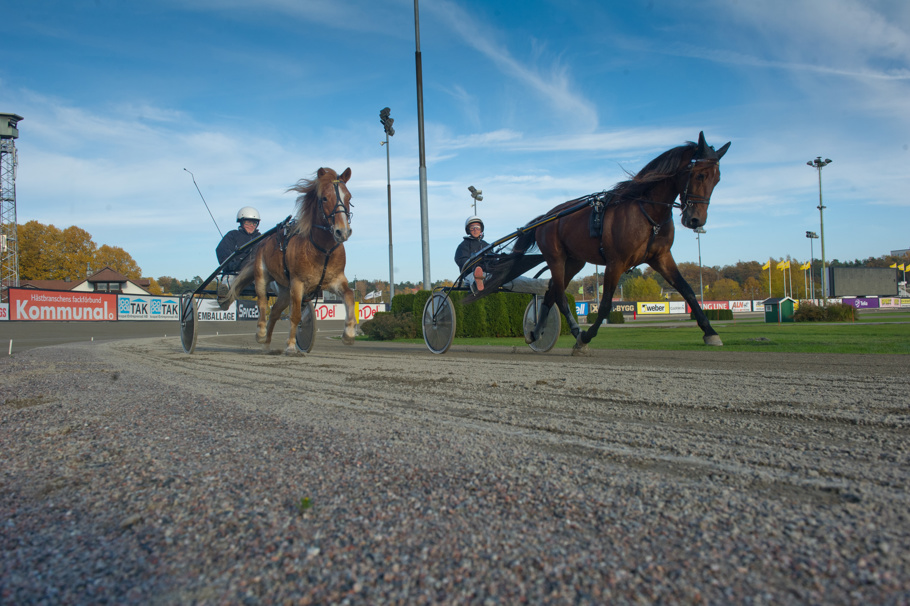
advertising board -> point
(581, 308)
(247, 310)
(4, 311)
(61, 305)
(740, 306)
(209, 311)
(860, 303)
(133, 307)
(645, 308)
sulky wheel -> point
(547, 339)
(188, 318)
(306, 330)
(438, 323)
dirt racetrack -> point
(382, 473)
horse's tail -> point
(243, 279)
(527, 240)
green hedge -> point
(715, 314)
(615, 317)
(838, 312)
(496, 315)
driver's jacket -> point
(469, 247)
(231, 241)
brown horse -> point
(305, 257)
(637, 227)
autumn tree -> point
(117, 259)
(642, 289)
(49, 253)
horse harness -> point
(600, 201)
(287, 229)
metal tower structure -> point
(9, 238)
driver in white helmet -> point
(248, 230)
(472, 244)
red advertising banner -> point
(710, 305)
(61, 306)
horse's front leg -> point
(666, 266)
(296, 295)
(350, 314)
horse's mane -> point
(663, 166)
(307, 202)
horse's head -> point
(696, 182)
(335, 198)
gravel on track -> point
(136, 474)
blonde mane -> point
(308, 201)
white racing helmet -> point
(472, 219)
(247, 212)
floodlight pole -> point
(812, 236)
(389, 131)
(424, 225)
(819, 164)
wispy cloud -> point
(552, 82)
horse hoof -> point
(294, 352)
(580, 350)
(261, 339)
(530, 338)
(713, 340)
(347, 340)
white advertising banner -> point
(209, 311)
(135, 307)
(740, 306)
(4, 311)
(677, 307)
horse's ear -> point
(346, 175)
(320, 173)
(723, 150)
(702, 144)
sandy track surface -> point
(382, 473)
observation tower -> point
(9, 239)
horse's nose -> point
(341, 235)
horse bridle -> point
(329, 218)
(684, 198)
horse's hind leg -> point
(262, 299)
(280, 304)
(611, 279)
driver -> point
(472, 244)
(247, 231)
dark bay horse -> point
(305, 257)
(637, 228)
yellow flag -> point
(767, 265)
(893, 266)
(787, 265)
(901, 267)
(805, 266)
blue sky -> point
(534, 102)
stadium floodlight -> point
(819, 164)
